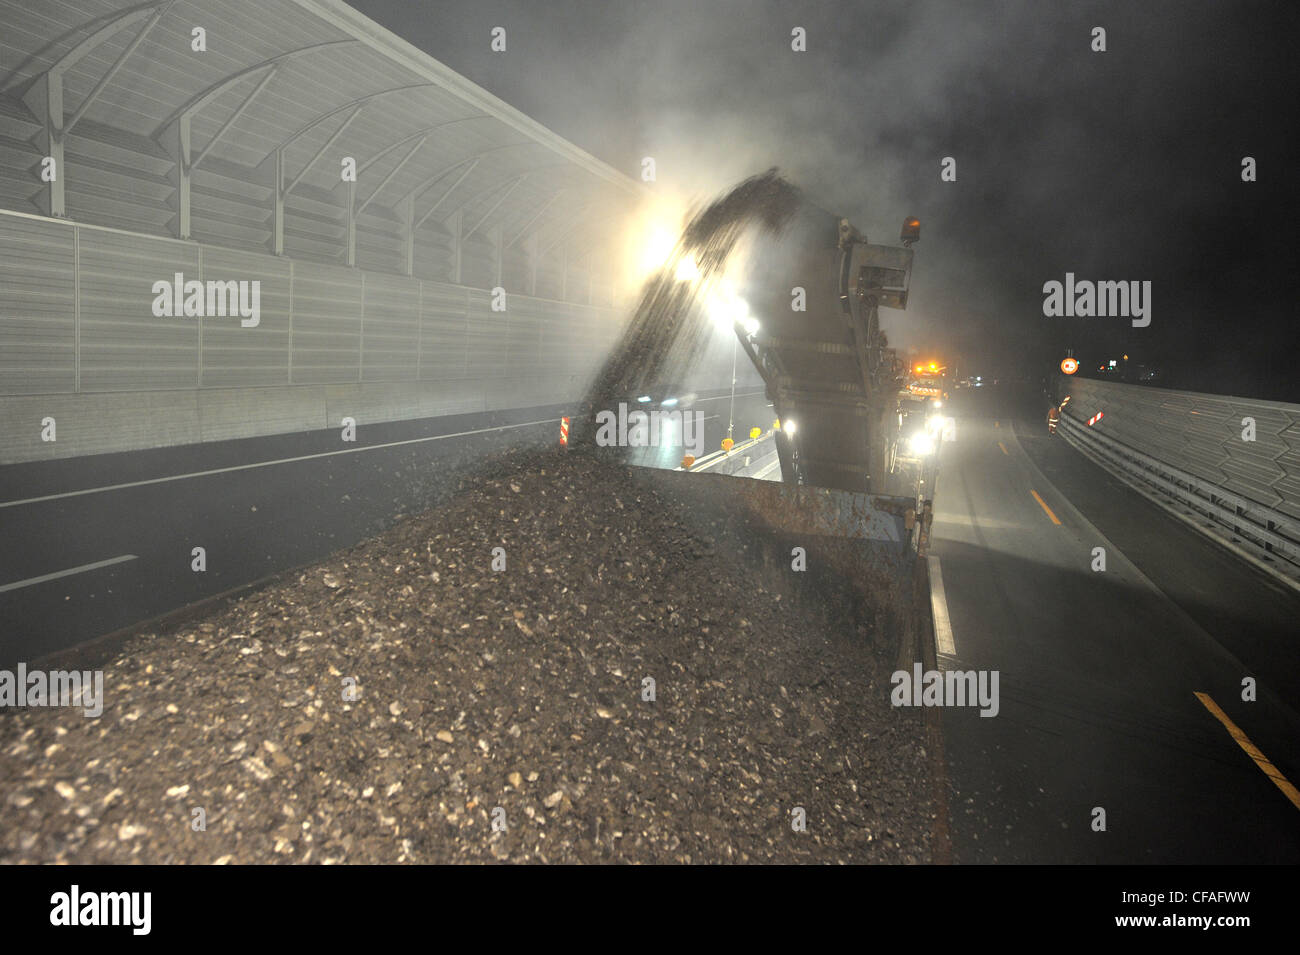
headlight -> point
(921, 444)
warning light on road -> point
(728, 444)
(1095, 418)
(1069, 365)
(776, 425)
(564, 432)
(755, 432)
(688, 461)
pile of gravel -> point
(520, 690)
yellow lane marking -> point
(1271, 771)
(1004, 449)
(1043, 505)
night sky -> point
(1119, 165)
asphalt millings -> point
(559, 664)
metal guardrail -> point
(1202, 434)
(1269, 529)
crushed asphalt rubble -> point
(503, 714)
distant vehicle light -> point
(668, 402)
(643, 399)
(789, 427)
(936, 402)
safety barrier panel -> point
(1231, 460)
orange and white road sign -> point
(564, 432)
(1069, 365)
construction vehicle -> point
(857, 472)
(858, 466)
(834, 383)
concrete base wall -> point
(103, 423)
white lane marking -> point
(768, 470)
(267, 464)
(66, 573)
(939, 610)
(739, 394)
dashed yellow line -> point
(1004, 449)
(1043, 505)
(1271, 771)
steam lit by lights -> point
(651, 238)
(687, 269)
(657, 249)
(727, 308)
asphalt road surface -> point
(101, 543)
(1099, 669)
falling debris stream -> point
(667, 331)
